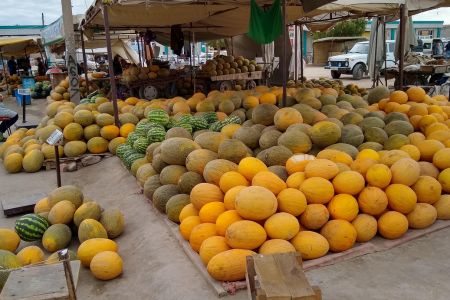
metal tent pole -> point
(83, 49)
(284, 65)
(374, 79)
(301, 53)
(385, 52)
(138, 42)
(193, 57)
(296, 53)
(401, 58)
(110, 65)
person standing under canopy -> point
(41, 67)
(12, 66)
(117, 65)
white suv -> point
(355, 61)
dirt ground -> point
(155, 266)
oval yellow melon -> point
(317, 190)
(113, 221)
(443, 207)
(372, 200)
(427, 189)
(200, 233)
(366, 227)
(321, 168)
(401, 198)
(204, 193)
(187, 225)
(310, 244)
(225, 219)
(423, 216)
(97, 145)
(42, 205)
(348, 182)
(256, 203)
(444, 180)
(392, 225)
(335, 156)
(211, 247)
(295, 180)
(344, 207)
(75, 148)
(276, 246)
(13, 163)
(216, 168)
(291, 201)
(109, 132)
(9, 239)
(66, 192)
(210, 211)
(282, 226)
(245, 235)
(62, 212)
(379, 175)
(32, 162)
(230, 197)
(73, 132)
(88, 249)
(91, 131)
(405, 171)
(8, 260)
(269, 181)
(89, 229)
(285, 117)
(31, 255)
(229, 265)
(56, 237)
(106, 265)
(231, 179)
(340, 234)
(441, 158)
(298, 162)
(187, 211)
(88, 210)
(315, 216)
(251, 166)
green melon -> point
(233, 150)
(396, 141)
(399, 127)
(188, 180)
(352, 134)
(162, 195)
(150, 185)
(375, 134)
(56, 237)
(275, 156)
(175, 205)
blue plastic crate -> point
(27, 99)
(28, 82)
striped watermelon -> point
(132, 137)
(141, 144)
(217, 126)
(210, 117)
(156, 135)
(159, 116)
(198, 123)
(232, 120)
(31, 227)
(186, 119)
(186, 126)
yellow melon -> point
(372, 200)
(295, 180)
(276, 246)
(405, 171)
(340, 234)
(344, 207)
(204, 193)
(256, 203)
(443, 207)
(188, 211)
(106, 265)
(291, 201)
(392, 225)
(90, 248)
(225, 219)
(31, 255)
(245, 235)
(317, 190)
(187, 225)
(379, 175)
(321, 168)
(229, 265)
(348, 182)
(210, 211)
(314, 216)
(231, 179)
(269, 181)
(230, 197)
(9, 239)
(427, 189)
(423, 216)
(366, 227)
(200, 233)
(282, 226)
(211, 247)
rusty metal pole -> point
(284, 64)
(296, 53)
(83, 49)
(110, 65)
(301, 52)
(401, 57)
(58, 166)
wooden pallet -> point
(79, 161)
(278, 276)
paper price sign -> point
(55, 137)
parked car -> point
(354, 62)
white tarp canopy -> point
(118, 47)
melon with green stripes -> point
(159, 116)
(31, 227)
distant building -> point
(446, 31)
(423, 29)
(20, 30)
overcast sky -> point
(28, 12)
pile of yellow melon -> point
(61, 91)
(328, 203)
(87, 128)
(65, 208)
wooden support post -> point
(296, 53)
(71, 58)
(301, 53)
(284, 64)
(401, 58)
(110, 65)
(83, 49)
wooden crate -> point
(279, 276)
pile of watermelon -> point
(41, 89)
(153, 129)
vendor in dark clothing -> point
(117, 66)
(12, 66)
(41, 67)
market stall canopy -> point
(211, 19)
(18, 46)
(118, 47)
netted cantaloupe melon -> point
(264, 114)
(233, 150)
(73, 132)
(295, 140)
(276, 155)
(325, 133)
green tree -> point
(344, 28)
(217, 44)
